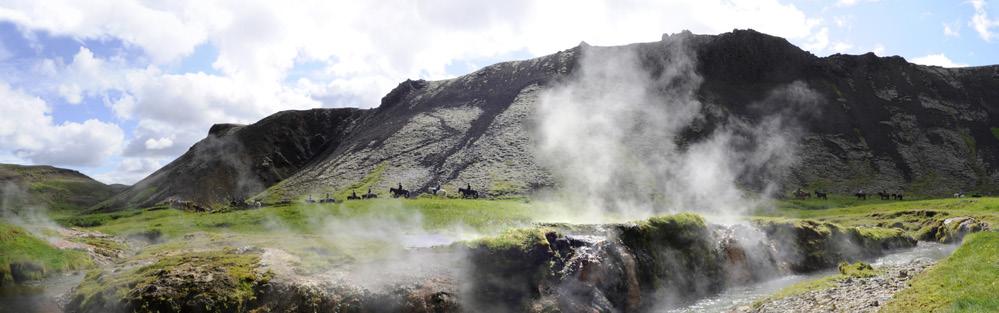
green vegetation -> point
(518, 238)
(33, 258)
(967, 281)
(856, 270)
(367, 182)
(227, 278)
(914, 217)
(482, 215)
(59, 190)
(995, 132)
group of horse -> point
(860, 194)
(400, 192)
(801, 194)
(883, 195)
(370, 195)
(327, 199)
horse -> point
(353, 196)
(369, 195)
(821, 195)
(860, 194)
(884, 195)
(309, 200)
(399, 192)
(438, 191)
(468, 192)
(327, 199)
(897, 196)
(801, 195)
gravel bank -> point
(851, 294)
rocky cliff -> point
(874, 123)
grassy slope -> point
(18, 245)
(967, 281)
(58, 189)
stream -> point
(743, 295)
(38, 296)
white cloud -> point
(842, 47)
(819, 42)
(981, 22)
(952, 30)
(938, 59)
(158, 143)
(131, 170)
(27, 131)
(849, 3)
(879, 49)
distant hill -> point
(239, 161)
(56, 188)
(879, 123)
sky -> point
(119, 88)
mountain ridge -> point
(883, 124)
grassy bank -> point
(967, 281)
(305, 218)
(33, 258)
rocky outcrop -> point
(659, 262)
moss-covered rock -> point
(210, 281)
(809, 245)
(507, 270)
(675, 252)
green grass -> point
(967, 281)
(57, 190)
(516, 238)
(995, 132)
(361, 187)
(484, 215)
(910, 216)
(19, 245)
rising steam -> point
(629, 136)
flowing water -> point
(744, 295)
(39, 296)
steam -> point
(629, 136)
(18, 208)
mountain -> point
(52, 187)
(238, 161)
(875, 123)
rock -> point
(25, 271)
(854, 295)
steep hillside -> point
(237, 161)
(52, 187)
(878, 122)
(858, 122)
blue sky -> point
(119, 88)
